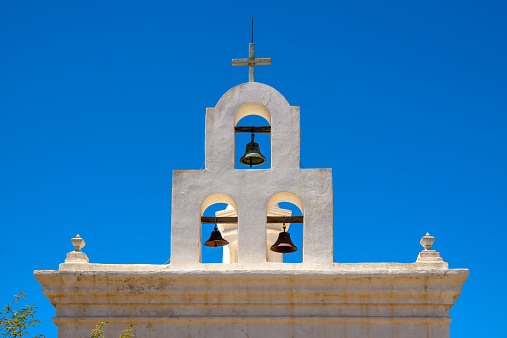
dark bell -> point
(283, 244)
(216, 239)
(253, 154)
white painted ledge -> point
(267, 266)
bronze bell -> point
(216, 238)
(253, 154)
(283, 244)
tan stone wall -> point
(342, 303)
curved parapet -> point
(252, 98)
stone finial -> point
(77, 256)
(426, 241)
(428, 255)
(78, 243)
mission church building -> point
(252, 293)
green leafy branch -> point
(97, 331)
(15, 322)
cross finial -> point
(251, 61)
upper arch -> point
(252, 92)
(285, 197)
(252, 108)
(247, 99)
(217, 198)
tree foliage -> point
(16, 320)
(129, 333)
(97, 331)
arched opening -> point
(284, 204)
(212, 206)
(258, 116)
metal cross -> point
(251, 62)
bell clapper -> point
(253, 136)
(215, 229)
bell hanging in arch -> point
(283, 244)
(216, 238)
(253, 154)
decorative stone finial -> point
(78, 243)
(430, 256)
(426, 241)
(77, 256)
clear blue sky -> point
(404, 100)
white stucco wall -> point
(252, 189)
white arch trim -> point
(217, 198)
(252, 108)
(285, 197)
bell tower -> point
(252, 192)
